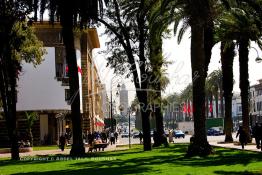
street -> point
(211, 139)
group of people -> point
(103, 137)
(92, 138)
(256, 133)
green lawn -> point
(50, 147)
(166, 161)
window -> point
(67, 95)
(259, 92)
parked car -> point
(136, 135)
(214, 132)
(125, 135)
(179, 134)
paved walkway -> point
(121, 146)
(59, 152)
(249, 147)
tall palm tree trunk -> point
(68, 36)
(156, 60)
(216, 99)
(211, 106)
(207, 112)
(227, 58)
(200, 145)
(221, 102)
(244, 84)
(145, 113)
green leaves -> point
(31, 118)
(25, 45)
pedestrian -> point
(242, 136)
(170, 136)
(140, 137)
(260, 135)
(112, 138)
(62, 142)
(116, 136)
(104, 137)
(256, 134)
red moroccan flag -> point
(189, 108)
(184, 108)
(78, 69)
(210, 108)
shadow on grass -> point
(136, 161)
(237, 173)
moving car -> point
(179, 134)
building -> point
(236, 109)
(123, 100)
(256, 102)
(45, 88)
(105, 102)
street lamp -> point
(111, 103)
(258, 59)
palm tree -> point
(158, 81)
(185, 97)
(227, 57)
(215, 79)
(244, 26)
(31, 118)
(199, 13)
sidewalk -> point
(122, 146)
(59, 152)
(249, 147)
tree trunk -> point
(211, 105)
(222, 102)
(68, 36)
(199, 145)
(156, 61)
(227, 58)
(145, 113)
(206, 106)
(8, 91)
(244, 84)
(216, 98)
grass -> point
(50, 147)
(166, 161)
(40, 148)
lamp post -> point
(111, 103)
(258, 59)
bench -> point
(98, 146)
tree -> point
(227, 58)
(18, 43)
(244, 25)
(158, 81)
(31, 118)
(215, 79)
(128, 50)
(199, 13)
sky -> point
(179, 71)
